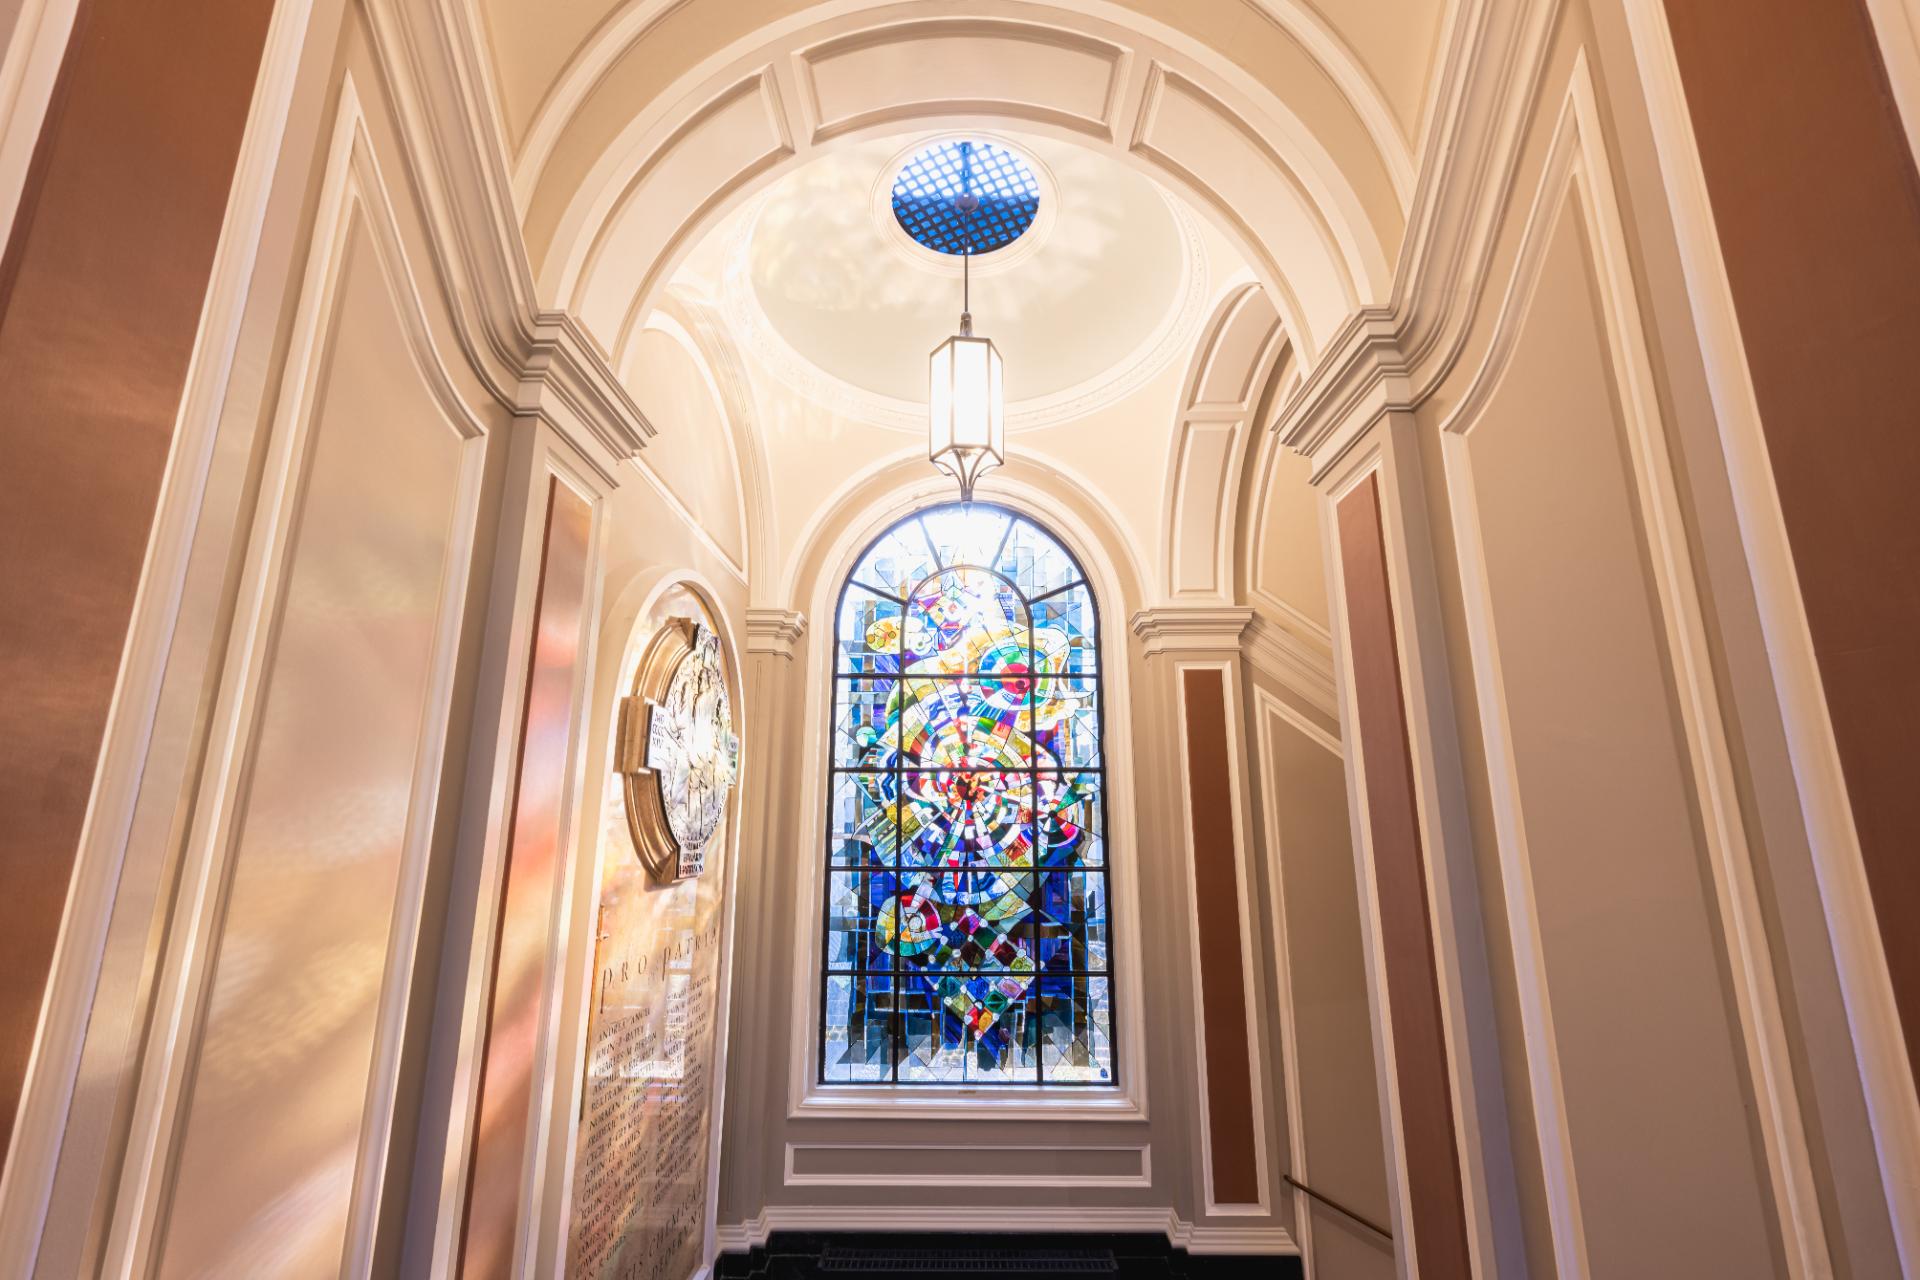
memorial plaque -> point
(641, 1171)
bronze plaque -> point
(646, 1126)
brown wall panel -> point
(1223, 980)
(1817, 204)
(524, 928)
(1406, 927)
(100, 297)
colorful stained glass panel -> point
(862, 723)
(1072, 816)
(858, 1031)
(1036, 564)
(1075, 1023)
(1063, 633)
(860, 820)
(1066, 719)
(868, 636)
(967, 931)
(1070, 918)
(964, 817)
(966, 723)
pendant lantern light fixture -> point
(965, 198)
(966, 401)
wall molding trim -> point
(1134, 1166)
(1886, 1076)
(136, 721)
(1304, 667)
(1191, 629)
(1210, 1238)
(1387, 359)
(533, 360)
(354, 193)
(36, 48)
(775, 632)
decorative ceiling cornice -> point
(1388, 359)
(1194, 629)
(535, 361)
(775, 631)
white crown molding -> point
(569, 385)
(535, 361)
(1191, 629)
(1267, 1239)
(1304, 667)
(1388, 359)
(1362, 376)
(775, 631)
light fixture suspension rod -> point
(966, 293)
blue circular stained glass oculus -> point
(962, 197)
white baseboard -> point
(1274, 1239)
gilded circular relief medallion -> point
(678, 753)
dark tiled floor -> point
(792, 1255)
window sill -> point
(891, 1102)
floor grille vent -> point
(854, 1260)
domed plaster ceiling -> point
(830, 297)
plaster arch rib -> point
(610, 223)
(1220, 402)
(892, 486)
(632, 20)
(701, 325)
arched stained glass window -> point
(967, 931)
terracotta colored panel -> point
(524, 928)
(100, 297)
(1818, 208)
(1406, 926)
(1223, 981)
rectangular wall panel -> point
(101, 291)
(1399, 864)
(1231, 1122)
(1343, 1152)
(280, 1089)
(524, 926)
(1828, 334)
(1603, 802)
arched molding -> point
(1040, 482)
(1141, 92)
(1225, 387)
(828, 554)
(630, 23)
(696, 322)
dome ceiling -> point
(839, 303)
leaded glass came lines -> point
(966, 926)
(927, 187)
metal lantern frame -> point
(966, 382)
(967, 407)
